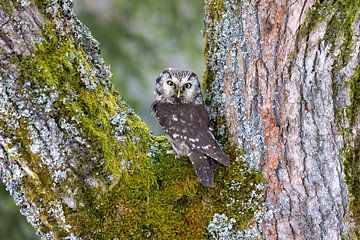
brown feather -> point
(190, 121)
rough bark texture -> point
(289, 71)
(282, 84)
(77, 160)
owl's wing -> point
(204, 167)
(204, 142)
(189, 123)
(200, 138)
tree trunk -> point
(282, 86)
(289, 79)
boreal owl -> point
(179, 109)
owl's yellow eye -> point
(170, 83)
(187, 85)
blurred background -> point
(138, 40)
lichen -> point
(81, 164)
(353, 109)
(352, 150)
(224, 34)
(313, 17)
(225, 37)
(222, 228)
(214, 11)
(340, 17)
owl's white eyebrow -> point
(185, 80)
(175, 79)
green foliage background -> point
(138, 40)
(141, 38)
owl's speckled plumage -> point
(179, 108)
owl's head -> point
(178, 86)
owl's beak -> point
(178, 95)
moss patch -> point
(176, 205)
(238, 194)
(314, 16)
(8, 6)
(136, 190)
(353, 109)
(339, 31)
(340, 17)
(214, 10)
(352, 150)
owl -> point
(179, 109)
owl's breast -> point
(182, 123)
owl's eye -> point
(187, 85)
(170, 83)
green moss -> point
(37, 178)
(352, 150)
(343, 19)
(353, 109)
(340, 17)
(339, 34)
(238, 193)
(177, 206)
(8, 6)
(209, 76)
(241, 193)
(214, 10)
(42, 4)
(314, 16)
(168, 202)
(140, 189)
(339, 27)
(352, 175)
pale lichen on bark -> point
(282, 89)
(232, 41)
(78, 161)
(229, 53)
(35, 142)
(284, 69)
(331, 61)
(43, 62)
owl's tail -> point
(204, 167)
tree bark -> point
(289, 71)
(282, 85)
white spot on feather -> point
(194, 139)
(207, 147)
(174, 118)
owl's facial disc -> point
(177, 86)
(180, 89)
(171, 88)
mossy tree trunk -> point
(79, 163)
(282, 86)
(288, 74)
